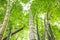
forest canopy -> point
(29, 19)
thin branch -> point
(15, 32)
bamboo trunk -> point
(2, 29)
(31, 23)
(38, 36)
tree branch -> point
(15, 32)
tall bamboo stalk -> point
(31, 23)
(2, 29)
(38, 36)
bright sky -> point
(42, 16)
(26, 6)
(57, 23)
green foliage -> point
(25, 1)
(3, 2)
(18, 19)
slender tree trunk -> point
(46, 30)
(38, 36)
(51, 33)
(50, 29)
(49, 36)
(31, 23)
(2, 29)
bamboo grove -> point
(29, 19)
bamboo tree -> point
(2, 29)
(49, 37)
(50, 29)
(38, 36)
(50, 32)
(46, 30)
(31, 23)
